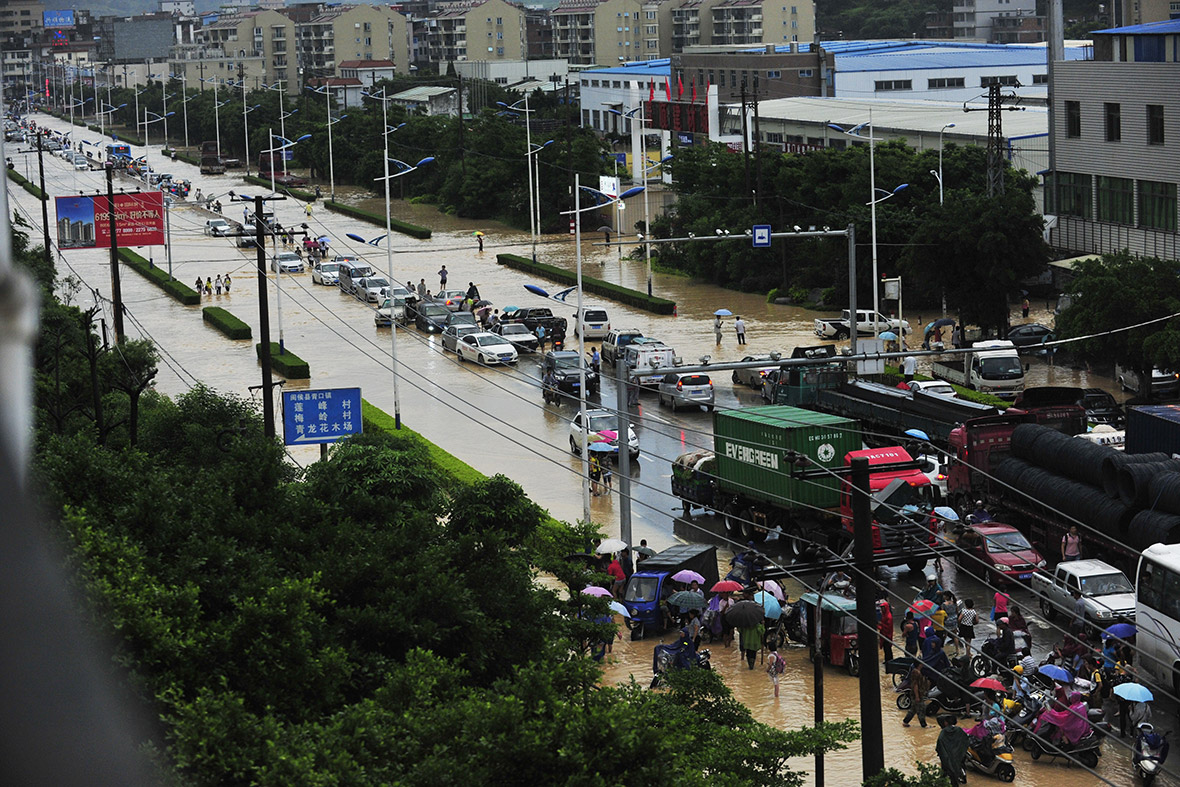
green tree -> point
(1120, 290)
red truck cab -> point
(916, 491)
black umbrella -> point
(745, 614)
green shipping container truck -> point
(753, 471)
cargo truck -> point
(748, 480)
(211, 163)
(884, 408)
(991, 367)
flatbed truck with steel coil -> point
(749, 480)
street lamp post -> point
(164, 93)
(216, 113)
(246, 126)
(402, 169)
(939, 176)
(532, 160)
(624, 427)
(277, 87)
(331, 122)
(647, 166)
(146, 122)
(183, 77)
(139, 93)
(874, 199)
(102, 117)
(534, 216)
(286, 145)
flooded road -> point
(495, 419)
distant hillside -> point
(851, 19)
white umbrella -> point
(617, 607)
(610, 545)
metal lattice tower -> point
(995, 141)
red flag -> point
(667, 88)
(651, 94)
(694, 91)
(679, 87)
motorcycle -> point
(986, 662)
(990, 753)
(1023, 712)
(1151, 749)
(1086, 751)
(680, 655)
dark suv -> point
(565, 365)
(1101, 408)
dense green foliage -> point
(25, 184)
(286, 362)
(975, 248)
(373, 619)
(479, 169)
(852, 19)
(1117, 290)
(642, 300)
(225, 322)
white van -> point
(650, 362)
(349, 273)
(596, 320)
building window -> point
(499, 50)
(1114, 122)
(943, 83)
(1157, 205)
(806, 73)
(1073, 119)
(893, 84)
(774, 137)
(651, 14)
(653, 44)
(499, 20)
(1116, 200)
(585, 118)
(1004, 81)
(1073, 194)
(774, 74)
(1155, 124)
(595, 113)
(1040, 79)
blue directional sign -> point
(761, 236)
(323, 416)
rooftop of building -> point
(365, 64)
(1166, 27)
(423, 93)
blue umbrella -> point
(769, 604)
(1133, 692)
(888, 336)
(1053, 672)
(947, 513)
(1120, 631)
(723, 313)
(917, 433)
(603, 447)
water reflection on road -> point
(495, 419)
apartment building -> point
(474, 30)
(604, 32)
(726, 23)
(253, 34)
(326, 35)
(20, 21)
(975, 19)
(1116, 143)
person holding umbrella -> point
(717, 328)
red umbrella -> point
(726, 586)
(988, 683)
(923, 607)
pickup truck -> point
(837, 327)
(534, 316)
(1108, 594)
(991, 367)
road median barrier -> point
(606, 289)
(404, 227)
(299, 194)
(286, 363)
(26, 184)
(225, 322)
(181, 292)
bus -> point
(1157, 614)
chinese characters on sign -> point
(323, 416)
(84, 222)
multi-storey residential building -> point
(538, 33)
(606, 32)
(1137, 12)
(474, 30)
(1116, 144)
(975, 19)
(266, 34)
(20, 21)
(201, 65)
(767, 73)
(325, 35)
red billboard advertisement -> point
(83, 222)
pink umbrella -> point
(688, 575)
(772, 587)
(594, 590)
(609, 434)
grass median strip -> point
(404, 227)
(181, 292)
(225, 322)
(589, 284)
(286, 363)
(25, 184)
(299, 194)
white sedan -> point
(372, 289)
(287, 261)
(327, 273)
(486, 348)
(597, 422)
(932, 387)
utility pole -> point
(757, 146)
(268, 405)
(44, 200)
(745, 137)
(621, 383)
(817, 672)
(995, 141)
(462, 152)
(872, 752)
(116, 289)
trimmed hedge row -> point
(404, 227)
(456, 470)
(225, 322)
(299, 194)
(589, 284)
(286, 363)
(26, 184)
(158, 276)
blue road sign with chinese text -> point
(323, 416)
(761, 236)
